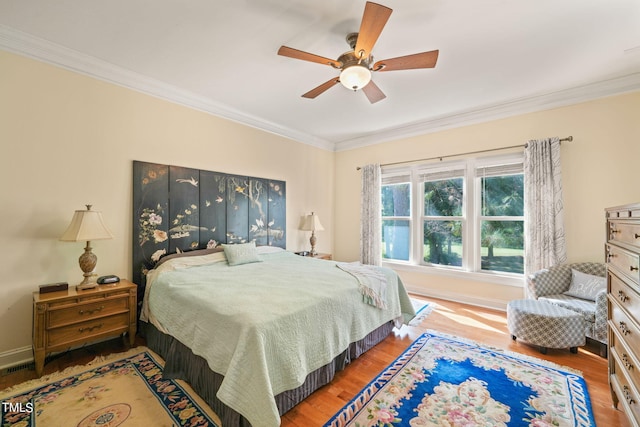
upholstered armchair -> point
(554, 285)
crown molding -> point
(509, 108)
(27, 45)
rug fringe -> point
(531, 359)
(73, 370)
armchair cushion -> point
(585, 307)
(585, 286)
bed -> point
(265, 327)
(252, 327)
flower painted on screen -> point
(149, 221)
(159, 236)
(155, 219)
(158, 254)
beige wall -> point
(599, 170)
(68, 140)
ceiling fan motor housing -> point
(356, 72)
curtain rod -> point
(568, 139)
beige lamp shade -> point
(86, 225)
(312, 223)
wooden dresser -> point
(70, 318)
(622, 252)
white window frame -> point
(390, 176)
(471, 220)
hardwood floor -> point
(483, 325)
(479, 324)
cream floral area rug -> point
(447, 381)
(124, 389)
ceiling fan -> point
(357, 64)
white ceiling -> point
(497, 58)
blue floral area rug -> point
(422, 309)
(125, 389)
(445, 381)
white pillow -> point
(585, 286)
(243, 253)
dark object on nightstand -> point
(303, 253)
(104, 280)
(53, 287)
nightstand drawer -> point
(88, 330)
(83, 312)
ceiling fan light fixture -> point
(355, 77)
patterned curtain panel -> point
(370, 228)
(544, 212)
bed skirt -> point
(181, 363)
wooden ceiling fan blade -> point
(322, 88)
(306, 56)
(373, 92)
(409, 62)
(374, 19)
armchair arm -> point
(600, 327)
(549, 281)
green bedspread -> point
(266, 325)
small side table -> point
(64, 319)
(318, 255)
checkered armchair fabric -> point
(550, 283)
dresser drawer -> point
(624, 232)
(626, 392)
(625, 359)
(626, 328)
(60, 316)
(624, 261)
(88, 330)
(624, 295)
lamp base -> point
(312, 241)
(87, 263)
(84, 286)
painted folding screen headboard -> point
(181, 209)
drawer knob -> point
(627, 395)
(624, 329)
(622, 297)
(614, 231)
(625, 361)
(94, 310)
(633, 268)
(636, 236)
(90, 328)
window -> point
(465, 216)
(396, 217)
(501, 218)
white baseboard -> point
(456, 297)
(16, 357)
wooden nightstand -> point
(70, 318)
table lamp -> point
(312, 223)
(87, 225)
